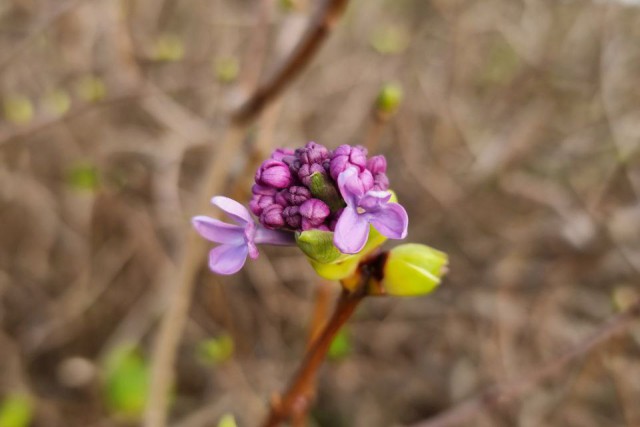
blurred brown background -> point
(515, 150)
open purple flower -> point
(236, 240)
(366, 207)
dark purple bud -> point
(314, 212)
(274, 173)
(381, 182)
(259, 202)
(306, 171)
(312, 153)
(281, 153)
(293, 163)
(297, 195)
(291, 215)
(272, 216)
(262, 190)
(281, 198)
(377, 164)
(346, 156)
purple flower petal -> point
(274, 237)
(352, 231)
(390, 220)
(218, 231)
(227, 259)
(374, 200)
(232, 208)
(347, 183)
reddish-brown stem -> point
(319, 29)
(295, 401)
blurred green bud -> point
(168, 48)
(126, 382)
(390, 39)
(226, 69)
(411, 269)
(624, 297)
(57, 102)
(83, 177)
(389, 98)
(18, 109)
(16, 411)
(327, 260)
(215, 350)
(340, 346)
(227, 420)
(91, 88)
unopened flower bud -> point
(313, 213)
(281, 153)
(297, 195)
(281, 198)
(346, 156)
(381, 182)
(259, 202)
(377, 164)
(291, 215)
(306, 170)
(274, 173)
(412, 269)
(389, 99)
(312, 153)
(263, 190)
(272, 216)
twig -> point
(295, 402)
(318, 30)
(500, 395)
(182, 283)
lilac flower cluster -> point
(311, 188)
(283, 193)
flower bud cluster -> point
(283, 193)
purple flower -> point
(313, 212)
(282, 153)
(236, 241)
(346, 156)
(364, 208)
(291, 215)
(274, 173)
(262, 197)
(296, 195)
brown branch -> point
(317, 32)
(295, 402)
(181, 282)
(502, 394)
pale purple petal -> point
(374, 199)
(232, 208)
(346, 186)
(218, 231)
(274, 237)
(227, 259)
(352, 231)
(390, 220)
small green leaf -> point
(215, 350)
(91, 88)
(126, 382)
(390, 40)
(412, 269)
(323, 189)
(16, 411)
(226, 69)
(168, 48)
(18, 109)
(389, 98)
(83, 177)
(318, 245)
(227, 420)
(340, 346)
(57, 102)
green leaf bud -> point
(412, 269)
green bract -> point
(327, 260)
(412, 269)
